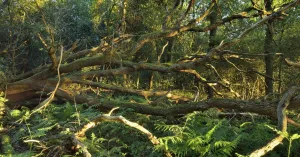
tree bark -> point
(269, 51)
(212, 43)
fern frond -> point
(220, 144)
(173, 139)
(225, 148)
(173, 128)
(198, 141)
(210, 133)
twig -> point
(112, 110)
(215, 70)
(162, 51)
(197, 94)
(77, 113)
(43, 40)
(251, 70)
(290, 121)
(250, 54)
(204, 81)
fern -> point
(173, 139)
(189, 139)
(225, 148)
(42, 131)
(18, 134)
(210, 133)
(173, 128)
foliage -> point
(196, 134)
(198, 137)
(55, 126)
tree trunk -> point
(212, 43)
(269, 50)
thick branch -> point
(146, 94)
(123, 120)
(262, 108)
(120, 119)
(77, 65)
(103, 47)
(282, 106)
(29, 73)
(223, 21)
(269, 147)
(282, 123)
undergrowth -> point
(196, 134)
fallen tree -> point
(27, 85)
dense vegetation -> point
(149, 78)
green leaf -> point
(295, 136)
(15, 113)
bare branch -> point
(162, 52)
(294, 64)
(119, 119)
(270, 146)
(290, 121)
(282, 123)
(43, 40)
(46, 102)
(79, 145)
